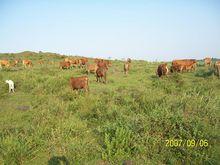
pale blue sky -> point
(140, 29)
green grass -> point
(128, 119)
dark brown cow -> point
(64, 65)
(162, 70)
(77, 83)
(208, 61)
(101, 73)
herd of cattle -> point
(185, 65)
(100, 68)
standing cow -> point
(101, 73)
(4, 63)
(64, 65)
(127, 66)
(11, 86)
(27, 63)
(217, 68)
(208, 61)
(183, 65)
(91, 68)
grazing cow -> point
(4, 63)
(162, 70)
(217, 68)
(101, 73)
(181, 65)
(207, 61)
(91, 68)
(27, 63)
(64, 65)
(77, 83)
(11, 87)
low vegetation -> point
(127, 120)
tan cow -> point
(217, 68)
(91, 68)
(208, 61)
(127, 66)
(27, 63)
(4, 63)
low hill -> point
(138, 118)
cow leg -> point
(105, 79)
(97, 79)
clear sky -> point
(141, 29)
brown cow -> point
(217, 68)
(207, 61)
(105, 62)
(162, 70)
(181, 65)
(91, 68)
(77, 83)
(102, 64)
(27, 63)
(64, 65)
(4, 63)
(101, 73)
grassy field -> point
(127, 120)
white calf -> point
(10, 85)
